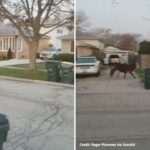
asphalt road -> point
(112, 114)
(41, 116)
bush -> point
(99, 54)
(64, 57)
(102, 55)
(9, 54)
(144, 47)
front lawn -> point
(21, 71)
(41, 73)
(39, 66)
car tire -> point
(98, 73)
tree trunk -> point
(32, 54)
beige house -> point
(87, 45)
(67, 42)
(9, 38)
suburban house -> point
(55, 34)
(10, 38)
(123, 56)
(87, 44)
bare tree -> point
(124, 41)
(82, 22)
(29, 16)
(102, 33)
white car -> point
(114, 60)
(88, 65)
(49, 53)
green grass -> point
(140, 72)
(38, 66)
(22, 72)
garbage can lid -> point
(3, 120)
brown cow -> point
(125, 68)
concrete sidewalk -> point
(25, 61)
(16, 62)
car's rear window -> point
(86, 60)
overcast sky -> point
(123, 16)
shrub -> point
(144, 47)
(9, 54)
(4, 57)
(64, 57)
(102, 55)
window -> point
(1, 44)
(4, 44)
(72, 46)
(19, 44)
(10, 42)
(59, 31)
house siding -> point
(83, 51)
(89, 48)
(95, 43)
(67, 46)
(43, 44)
(60, 31)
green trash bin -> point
(67, 75)
(4, 128)
(53, 68)
(147, 78)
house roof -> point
(8, 30)
(79, 36)
(69, 36)
(86, 36)
(112, 48)
(85, 44)
(115, 49)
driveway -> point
(112, 113)
(41, 115)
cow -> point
(125, 68)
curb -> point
(36, 81)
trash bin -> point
(67, 74)
(147, 78)
(4, 128)
(53, 68)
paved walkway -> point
(26, 61)
(16, 62)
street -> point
(112, 113)
(41, 115)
